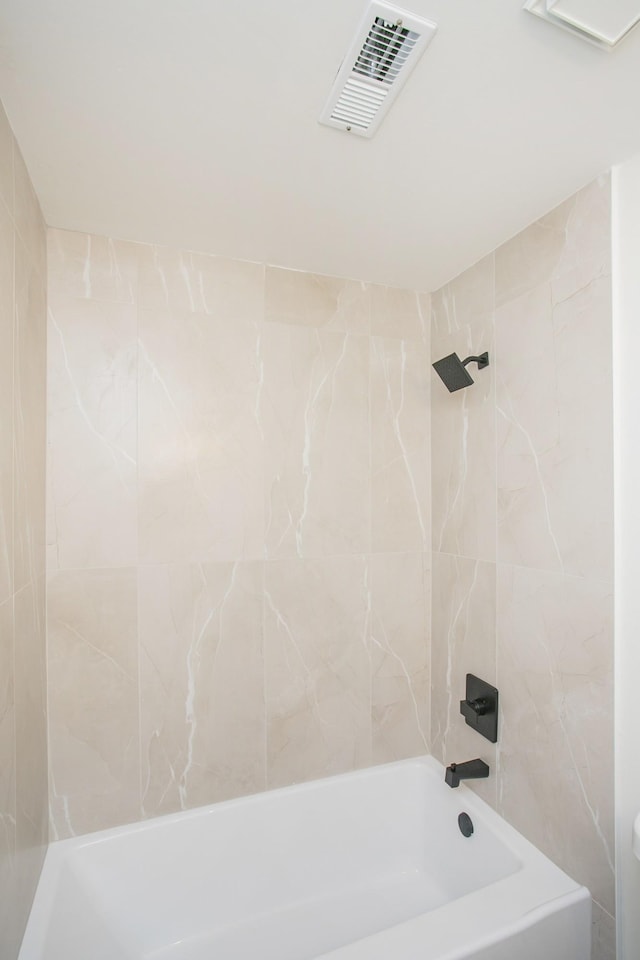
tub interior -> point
(289, 876)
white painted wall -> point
(626, 327)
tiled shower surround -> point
(23, 730)
(239, 536)
(522, 477)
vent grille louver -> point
(387, 46)
(385, 51)
(358, 104)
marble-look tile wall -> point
(522, 510)
(238, 528)
(23, 739)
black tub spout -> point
(470, 770)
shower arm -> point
(482, 360)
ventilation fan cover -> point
(385, 49)
(603, 23)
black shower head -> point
(451, 370)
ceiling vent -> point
(388, 44)
(604, 24)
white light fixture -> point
(601, 22)
(387, 45)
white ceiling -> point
(194, 123)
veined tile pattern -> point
(215, 429)
(463, 624)
(522, 477)
(570, 246)
(400, 474)
(92, 448)
(195, 283)
(201, 683)
(467, 298)
(200, 482)
(402, 314)
(316, 442)
(309, 300)
(552, 438)
(93, 700)
(23, 735)
(92, 402)
(317, 668)
(556, 675)
(85, 267)
(400, 655)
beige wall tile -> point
(6, 401)
(29, 419)
(82, 266)
(92, 433)
(548, 464)
(8, 905)
(31, 744)
(254, 440)
(400, 655)
(528, 428)
(603, 934)
(463, 426)
(555, 459)
(316, 442)
(318, 668)
(31, 702)
(93, 700)
(23, 737)
(400, 461)
(200, 456)
(467, 298)
(463, 641)
(399, 313)
(186, 282)
(575, 234)
(201, 684)
(290, 439)
(555, 659)
(310, 300)
(6, 161)
(583, 350)
(27, 216)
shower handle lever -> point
(478, 707)
(482, 360)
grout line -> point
(524, 567)
(498, 772)
(137, 459)
(604, 909)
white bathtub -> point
(366, 866)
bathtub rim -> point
(536, 868)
